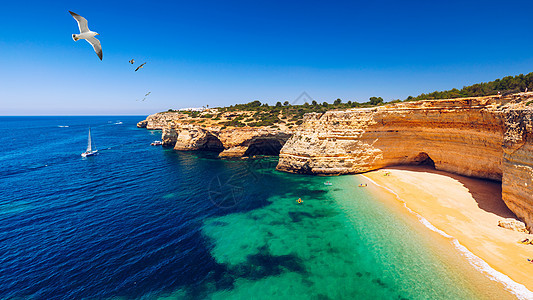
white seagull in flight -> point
(86, 34)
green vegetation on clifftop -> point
(506, 85)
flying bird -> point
(146, 95)
(140, 67)
(86, 34)
(131, 61)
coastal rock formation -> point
(513, 224)
(230, 142)
(191, 137)
(252, 141)
(234, 142)
(488, 137)
(142, 124)
(169, 137)
(462, 136)
(162, 120)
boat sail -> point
(90, 150)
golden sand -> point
(467, 209)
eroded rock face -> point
(248, 141)
(169, 136)
(517, 182)
(191, 137)
(489, 137)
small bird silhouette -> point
(140, 67)
(146, 95)
(131, 61)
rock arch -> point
(263, 146)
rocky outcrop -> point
(513, 224)
(489, 137)
(142, 124)
(191, 137)
(162, 120)
(169, 137)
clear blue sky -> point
(225, 52)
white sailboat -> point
(90, 150)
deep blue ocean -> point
(144, 222)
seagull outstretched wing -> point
(96, 45)
(140, 67)
(82, 22)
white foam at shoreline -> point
(519, 290)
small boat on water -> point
(90, 150)
(156, 143)
(328, 183)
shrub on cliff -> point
(375, 101)
(506, 85)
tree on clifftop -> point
(376, 100)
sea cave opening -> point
(423, 159)
(213, 144)
(264, 146)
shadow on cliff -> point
(487, 193)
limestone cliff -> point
(233, 142)
(489, 137)
(252, 141)
(160, 120)
(517, 183)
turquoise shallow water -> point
(142, 222)
(340, 243)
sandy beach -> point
(467, 209)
